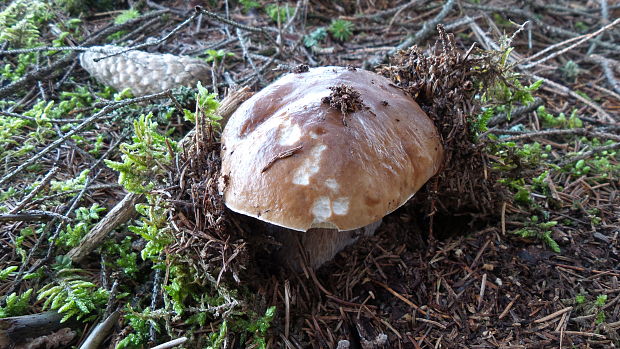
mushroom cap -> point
(289, 159)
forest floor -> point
(539, 269)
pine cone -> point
(145, 73)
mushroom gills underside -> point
(319, 245)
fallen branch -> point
(236, 24)
(516, 112)
(571, 131)
(580, 40)
(570, 34)
(428, 28)
(589, 154)
(18, 329)
(100, 332)
(32, 216)
(246, 55)
(53, 121)
(118, 215)
(378, 16)
(28, 198)
(171, 344)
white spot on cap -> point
(316, 151)
(341, 206)
(309, 167)
(313, 135)
(290, 134)
(321, 209)
(332, 184)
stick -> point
(118, 215)
(580, 40)
(553, 315)
(100, 332)
(27, 199)
(530, 16)
(377, 16)
(172, 343)
(428, 28)
(588, 154)
(246, 55)
(287, 308)
(19, 328)
(53, 121)
(32, 216)
(236, 24)
(571, 131)
(34, 249)
(570, 34)
(518, 111)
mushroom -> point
(322, 155)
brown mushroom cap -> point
(289, 159)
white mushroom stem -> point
(319, 245)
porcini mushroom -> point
(322, 155)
